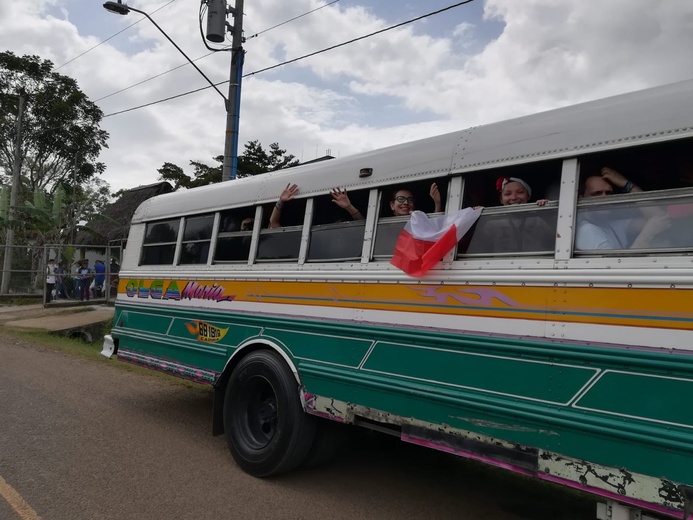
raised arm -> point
(619, 181)
(341, 199)
(286, 195)
(435, 195)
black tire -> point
(330, 439)
(267, 430)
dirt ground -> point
(85, 438)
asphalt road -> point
(83, 439)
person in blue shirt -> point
(60, 276)
(99, 277)
(85, 276)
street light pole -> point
(120, 8)
(233, 103)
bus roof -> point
(655, 114)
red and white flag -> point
(425, 241)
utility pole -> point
(233, 109)
(7, 263)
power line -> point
(291, 20)
(205, 55)
(297, 59)
(146, 80)
(110, 37)
(358, 39)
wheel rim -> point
(259, 403)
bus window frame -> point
(371, 224)
(621, 199)
(277, 231)
(337, 227)
(528, 208)
(383, 191)
(210, 240)
(145, 245)
(305, 232)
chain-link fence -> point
(24, 275)
(76, 273)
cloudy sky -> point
(477, 63)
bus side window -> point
(335, 234)
(529, 231)
(610, 225)
(396, 205)
(282, 243)
(235, 235)
(635, 199)
(197, 236)
(159, 244)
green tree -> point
(60, 127)
(60, 140)
(254, 161)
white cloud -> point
(549, 53)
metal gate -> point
(29, 276)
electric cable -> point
(292, 19)
(296, 59)
(225, 48)
(110, 37)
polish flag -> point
(425, 241)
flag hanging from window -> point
(425, 241)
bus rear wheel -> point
(267, 431)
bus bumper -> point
(108, 346)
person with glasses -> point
(402, 201)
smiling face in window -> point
(402, 203)
(514, 193)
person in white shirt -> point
(50, 280)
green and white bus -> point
(530, 347)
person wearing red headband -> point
(513, 190)
(516, 232)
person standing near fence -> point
(60, 289)
(85, 276)
(50, 279)
(99, 277)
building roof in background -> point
(114, 223)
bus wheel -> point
(330, 438)
(266, 428)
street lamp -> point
(232, 107)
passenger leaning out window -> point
(617, 228)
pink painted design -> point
(479, 296)
(214, 292)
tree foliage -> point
(61, 138)
(60, 144)
(254, 161)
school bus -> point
(555, 340)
